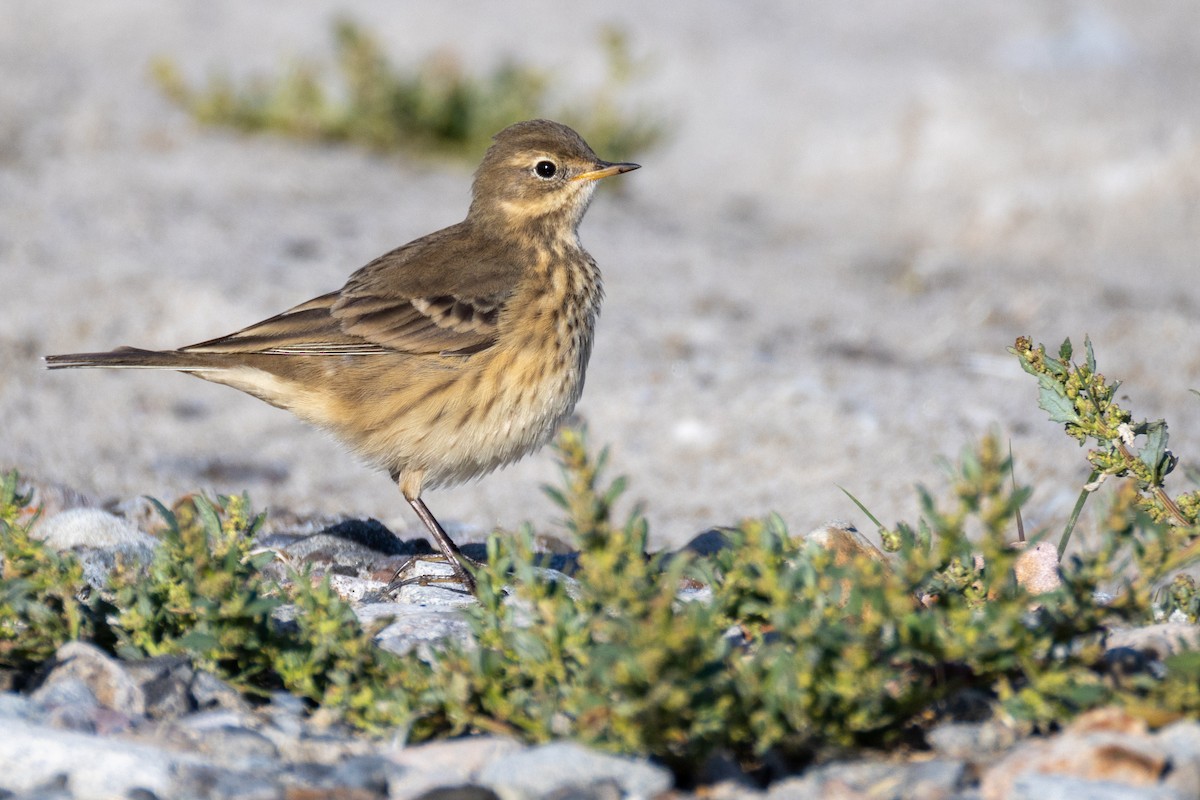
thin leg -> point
(444, 542)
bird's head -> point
(539, 173)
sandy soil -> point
(810, 284)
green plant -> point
(44, 600)
(588, 505)
(202, 593)
(438, 108)
(1080, 398)
(801, 648)
(205, 595)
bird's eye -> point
(545, 169)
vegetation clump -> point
(774, 647)
(438, 108)
(44, 599)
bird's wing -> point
(308, 329)
(439, 294)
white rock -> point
(555, 769)
(90, 527)
(94, 768)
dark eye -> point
(545, 169)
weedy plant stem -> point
(1084, 494)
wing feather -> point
(442, 294)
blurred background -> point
(846, 214)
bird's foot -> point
(458, 573)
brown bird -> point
(448, 357)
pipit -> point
(448, 357)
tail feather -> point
(131, 358)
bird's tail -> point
(133, 358)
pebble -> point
(98, 539)
(107, 681)
(1157, 641)
(1067, 787)
(1106, 753)
(566, 769)
(414, 627)
(938, 779)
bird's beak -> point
(604, 169)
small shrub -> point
(438, 108)
(44, 600)
(204, 595)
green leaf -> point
(200, 642)
(615, 490)
(1185, 664)
(167, 514)
(1065, 350)
(557, 497)
(862, 507)
(1154, 454)
(1054, 401)
(208, 514)
(1091, 356)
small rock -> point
(971, 741)
(1158, 641)
(99, 540)
(330, 746)
(91, 767)
(938, 779)
(1181, 741)
(1067, 787)
(414, 626)
(139, 511)
(69, 704)
(209, 781)
(845, 542)
(98, 565)
(1104, 745)
(560, 769)
(209, 692)
(458, 793)
(353, 589)
(731, 790)
(1109, 718)
(54, 498)
(285, 714)
(707, 543)
(19, 707)
(166, 685)
(109, 683)
(92, 528)
(1036, 568)
(216, 719)
(1125, 662)
(437, 766)
(236, 746)
(365, 776)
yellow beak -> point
(604, 169)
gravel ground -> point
(810, 284)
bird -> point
(447, 357)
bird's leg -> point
(410, 486)
(449, 549)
